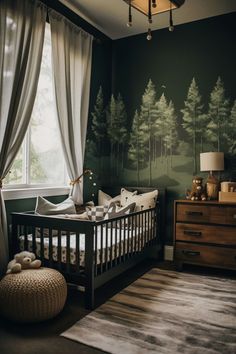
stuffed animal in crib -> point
(23, 260)
(198, 190)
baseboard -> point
(168, 253)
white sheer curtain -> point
(72, 57)
(22, 24)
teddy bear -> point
(197, 191)
(23, 260)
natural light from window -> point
(40, 161)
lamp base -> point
(212, 187)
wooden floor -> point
(44, 337)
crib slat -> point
(140, 232)
(96, 249)
(101, 250)
(59, 249)
(34, 241)
(128, 239)
(154, 226)
(68, 251)
(42, 246)
(143, 232)
(77, 252)
(25, 238)
(106, 249)
(149, 226)
(145, 228)
(135, 234)
(50, 246)
(111, 243)
(125, 243)
(132, 235)
(120, 241)
(115, 243)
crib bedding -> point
(109, 244)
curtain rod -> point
(75, 18)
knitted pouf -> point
(33, 295)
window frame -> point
(33, 192)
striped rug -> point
(164, 312)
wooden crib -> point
(90, 253)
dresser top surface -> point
(204, 202)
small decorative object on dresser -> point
(212, 161)
(205, 233)
(198, 190)
(228, 192)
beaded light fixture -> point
(153, 7)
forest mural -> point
(151, 146)
(172, 98)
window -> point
(40, 161)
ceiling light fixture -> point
(153, 7)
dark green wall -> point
(204, 50)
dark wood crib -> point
(90, 253)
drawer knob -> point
(194, 213)
(192, 233)
(191, 253)
(234, 216)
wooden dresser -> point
(205, 233)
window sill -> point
(23, 193)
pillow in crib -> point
(44, 207)
(96, 213)
(116, 211)
(106, 199)
(144, 201)
(125, 197)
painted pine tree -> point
(117, 130)
(122, 131)
(202, 123)
(111, 127)
(192, 113)
(218, 114)
(99, 126)
(148, 115)
(161, 123)
(171, 136)
(232, 130)
(137, 150)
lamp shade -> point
(212, 161)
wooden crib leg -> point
(89, 297)
(89, 270)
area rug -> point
(164, 312)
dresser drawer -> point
(223, 235)
(205, 214)
(192, 213)
(193, 253)
(231, 216)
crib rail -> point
(123, 238)
(86, 251)
(50, 238)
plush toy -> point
(198, 191)
(23, 260)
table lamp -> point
(212, 161)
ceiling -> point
(110, 16)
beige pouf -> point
(32, 295)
